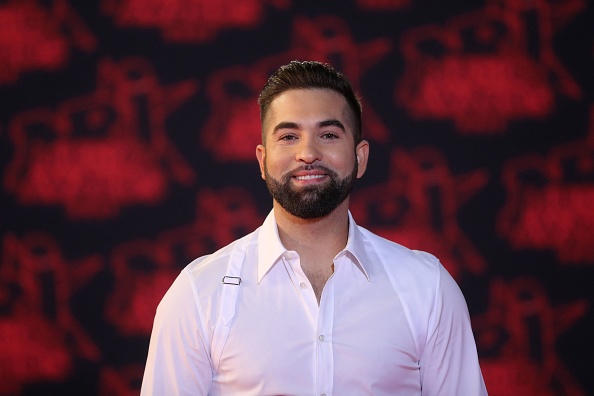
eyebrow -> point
(321, 124)
(285, 125)
(334, 123)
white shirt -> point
(391, 321)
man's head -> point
(310, 75)
(312, 150)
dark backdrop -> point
(127, 139)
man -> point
(310, 303)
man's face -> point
(310, 161)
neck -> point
(326, 235)
(316, 241)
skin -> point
(311, 127)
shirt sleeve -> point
(178, 362)
(449, 363)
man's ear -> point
(261, 155)
(362, 154)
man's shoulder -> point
(215, 265)
(394, 254)
(409, 270)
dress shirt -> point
(391, 321)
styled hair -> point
(310, 75)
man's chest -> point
(280, 343)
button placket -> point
(301, 283)
(325, 362)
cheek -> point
(342, 162)
(276, 164)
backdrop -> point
(127, 147)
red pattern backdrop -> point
(127, 141)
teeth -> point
(309, 177)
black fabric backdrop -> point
(127, 140)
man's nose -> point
(308, 151)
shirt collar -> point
(356, 247)
(271, 249)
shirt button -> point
(303, 285)
(323, 394)
(321, 338)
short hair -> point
(310, 75)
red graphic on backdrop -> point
(39, 336)
(145, 269)
(34, 37)
(97, 153)
(487, 68)
(550, 200)
(189, 21)
(520, 328)
(233, 92)
(417, 208)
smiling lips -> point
(311, 174)
(309, 177)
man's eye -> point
(329, 135)
(288, 137)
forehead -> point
(308, 105)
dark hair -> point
(310, 75)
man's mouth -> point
(309, 177)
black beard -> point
(311, 202)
